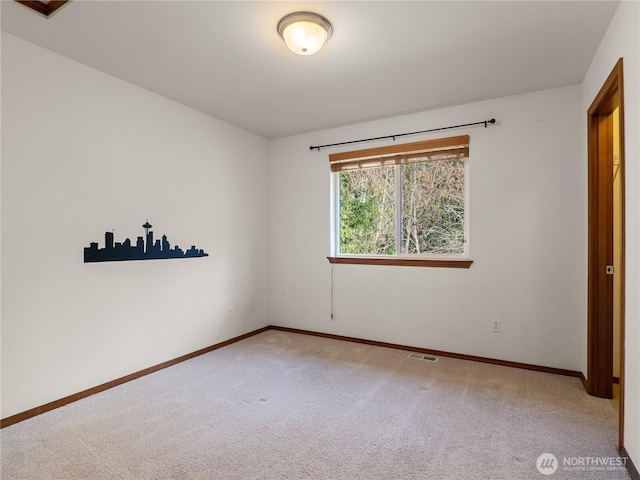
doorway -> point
(605, 331)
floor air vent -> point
(426, 358)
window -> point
(402, 204)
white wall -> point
(527, 239)
(622, 40)
(82, 153)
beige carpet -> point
(287, 406)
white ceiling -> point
(385, 58)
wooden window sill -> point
(403, 261)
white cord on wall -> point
(332, 266)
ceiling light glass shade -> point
(304, 32)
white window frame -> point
(400, 258)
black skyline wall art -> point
(142, 250)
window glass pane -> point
(433, 207)
(367, 211)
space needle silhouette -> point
(144, 249)
(146, 227)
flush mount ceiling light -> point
(304, 32)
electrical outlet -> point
(496, 325)
(229, 312)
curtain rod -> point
(485, 122)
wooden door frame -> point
(600, 285)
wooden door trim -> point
(598, 330)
